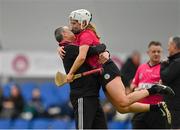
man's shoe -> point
(162, 89)
(165, 111)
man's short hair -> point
(176, 40)
(58, 34)
(154, 43)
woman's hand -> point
(61, 52)
(103, 57)
(69, 77)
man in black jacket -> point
(84, 92)
(170, 75)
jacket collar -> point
(177, 55)
(64, 43)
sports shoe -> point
(162, 89)
(165, 112)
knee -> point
(122, 103)
(122, 110)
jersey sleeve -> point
(86, 39)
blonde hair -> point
(93, 28)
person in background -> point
(170, 75)
(34, 108)
(17, 99)
(13, 106)
(146, 76)
(129, 68)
